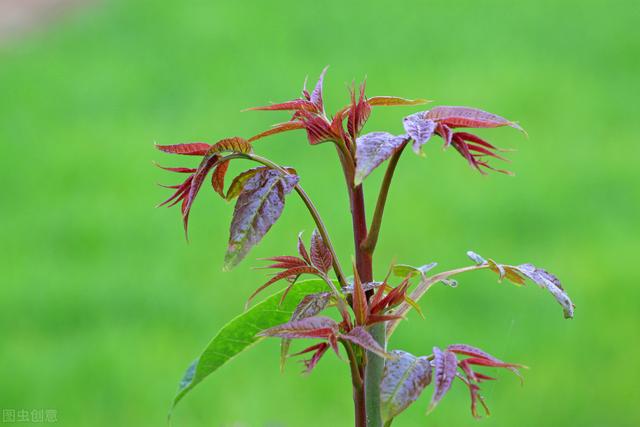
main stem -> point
(374, 364)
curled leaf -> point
(374, 148)
(405, 270)
(405, 377)
(419, 129)
(234, 145)
(258, 207)
(551, 283)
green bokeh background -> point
(103, 304)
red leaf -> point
(312, 327)
(320, 255)
(316, 95)
(279, 128)
(309, 306)
(302, 250)
(360, 307)
(358, 113)
(179, 170)
(189, 149)
(319, 351)
(217, 178)
(198, 178)
(296, 105)
(361, 337)
(469, 118)
(445, 364)
(291, 272)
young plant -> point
(366, 312)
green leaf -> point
(240, 333)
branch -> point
(422, 289)
(369, 245)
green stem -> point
(373, 378)
(369, 244)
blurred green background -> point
(103, 304)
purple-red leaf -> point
(316, 95)
(394, 100)
(188, 149)
(362, 338)
(205, 166)
(419, 129)
(374, 148)
(310, 305)
(468, 117)
(258, 207)
(403, 380)
(320, 255)
(445, 366)
(311, 327)
(302, 250)
(358, 113)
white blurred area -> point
(17, 17)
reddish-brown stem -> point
(360, 408)
(363, 258)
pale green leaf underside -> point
(240, 333)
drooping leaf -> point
(419, 129)
(258, 207)
(217, 177)
(240, 334)
(362, 338)
(445, 366)
(374, 148)
(318, 351)
(551, 283)
(188, 149)
(239, 181)
(394, 100)
(310, 305)
(404, 379)
(320, 255)
(311, 327)
(205, 166)
(480, 354)
(468, 117)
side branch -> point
(422, 289)
(369, 245)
